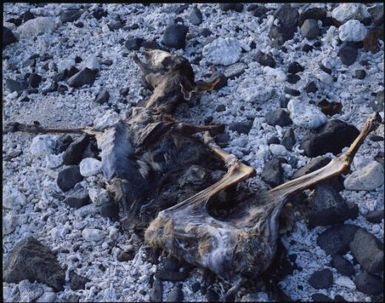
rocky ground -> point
(301, 80)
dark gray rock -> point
(220, 108)
(257, 10)
(83, 77)
(294, 68)
(102, 97)
(115, 24)
(16, 85)
(222, 139)
(342, 265)
(195, 286)
(318, 297)
(175, 294)
(369, 284)
(241, 127)
(124, 91)
(360, 74)
(291, 91)
(313, 165)
(8, 37)
(73, 154)
(235, 70)
(292, 78)
(377, 103)
(375, 216)
(288, 21)
(205, 32)
(126, 255)
(238, 7)
(322, 279)
(367, 249)
(31, 260)
(182, 8)
(272, 172)
(336, 239)
(99, 13)
(68, 177)
(78, 199)
(77, 281)
(175, 36)
(288, 139)
(307, 48)
(265, 59)
(169, 269)
(332, 137)
(195, 16)
(34, 80)
(27, 16)
(110, 210)
(70, 15)
(310, 29)
(133, 43)
(316, 13)
(156, 292)
(273, 140)
(327, 207)
(278, 117)
(348, 54)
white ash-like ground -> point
(40, 213)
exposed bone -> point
(244, 243)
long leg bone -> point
(242, 244)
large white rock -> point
(48, 296)
(106, 120)
(352, 30)
(36, 26)
(9, 223)
(223, 51)
(278, 149)
(368, 178)
(305, 115)
(92, 234)
(90, 166)
(91, 62)
(43, 145)
(13, 198)
(250, 91)
(347, 11)
(345, 282)
(29, 291)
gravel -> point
(248, 96)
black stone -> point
(68, 177)
(175, 294)
(175, 36)
(316, 13)
(182, 8)
(133, 43)
(152, 44)
(336, 239)
(78, 59)
(27, 16)
(169, 270)
(272, 172)
(99, 13)
(102, 97)
(62, 89)
(156, 292)
(347, 54)
(126, 256)
(8, 37)
(273, 140)
(84, 77)
(311, 87)
(16, 21)
(196, 17)
(265, 59)
(331, 137)
(342, 265)
(79, 24)
(70, 15)
(283, 101)
(367, 249)
(291, 91)
(288, 20)
(34, 80)
(257, 10)
(73, 154)
(16, 85)
(292, 78)
(327, 207)
(238, 7)
(31, 260)
(241, 127)
(322, 279)
(220, 108)
(77, 281)
(70, 72)
(115, 24)
(360, 74)
(288, 139)
(369, 284)
(78, 199)
(205, 32)
(325, 69)
(278, 117)
(375, 216)
(195, 286)
(318, 297)
(307, 48)
(294, 68)
(222, 139)
(110, 210)
(310, 29)
(376, 138)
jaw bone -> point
(242, 244)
